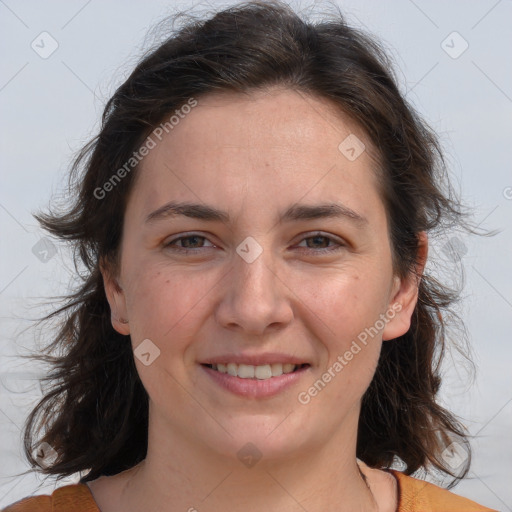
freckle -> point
(167, 282)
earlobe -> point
(405, 298)
(116, 300)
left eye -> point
(327, 239)
(192, 242)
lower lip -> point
(256, 388)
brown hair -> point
(96, 412)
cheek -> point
(354, 342)
(161, 303)
(350, 304)
(164, 307)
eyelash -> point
(315, 235)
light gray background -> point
(50, 107)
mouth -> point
(261, 381)
(260, 372)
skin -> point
(253, 156)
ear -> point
(405, 294)
(116, 299)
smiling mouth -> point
(261, 372)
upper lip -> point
(255, 359)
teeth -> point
(248, 371)
(277, 369)
(245, 371)
(288, 368)
(263, 372)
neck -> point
(187, 476)
(271, 489)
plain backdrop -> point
(453, 63)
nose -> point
(256, 298)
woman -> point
(216, 357)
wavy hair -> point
(95, 413)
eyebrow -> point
(295, 212)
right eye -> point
(191, 242)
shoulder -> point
(419, 496)
(76, 497)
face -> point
(270, 284)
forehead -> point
(265, 149)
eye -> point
(191, 243)
(321, 239)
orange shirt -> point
(414, 496)
(420, 496)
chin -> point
(256, 439)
